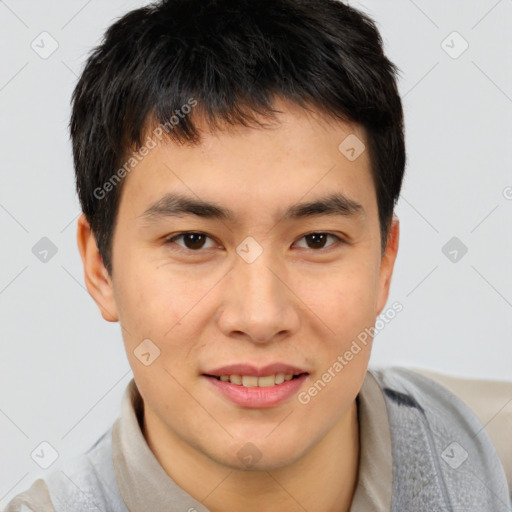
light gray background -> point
(63, 369)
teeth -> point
(250, 381)
(264, 382)
(235, 379)
(279, 378)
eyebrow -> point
(176, 205)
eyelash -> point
(170, 240)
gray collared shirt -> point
(120, 473)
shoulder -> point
(432, 428)
(85, 482)
(491, 402)
(475, 399)
(468, 403)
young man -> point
(238, 163)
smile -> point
(254, 392)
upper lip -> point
(248, 369)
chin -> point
(260, 454)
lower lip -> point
(256, 397)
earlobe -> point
(97, 279)
(388, 263)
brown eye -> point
(318, 240)
(192, 241)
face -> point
(268, 284)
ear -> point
(387, 264)
(97, 280)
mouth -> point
(250, 387)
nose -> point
(259, 304)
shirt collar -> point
(375, 480)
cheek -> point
(347, 308)
(345, 300)
(148, 303)
(154, 307)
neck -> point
(323, 480)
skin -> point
(297, 303)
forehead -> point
(299, 154)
